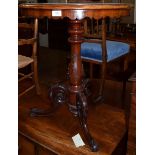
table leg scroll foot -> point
(57, 95)
(36, 112)
(82, 113)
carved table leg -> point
(82, 113)
(58, 95)
(74, 94)
(77, 100)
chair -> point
(97, 50)
(24, 60)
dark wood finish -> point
(46, 76)
(25, 33)
(123, 32)
(76, 12)
(54, 133)
(71, 10)
(132, 118)
(29, 147)
(95, 31)
(31, 41)
(25, 146)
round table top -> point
(75, 10)
(79, 6)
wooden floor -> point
(106, 123)
(50, 73)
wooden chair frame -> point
(97, 34)
(34, 69)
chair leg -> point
(91, 71)
(125, 66)
(36, 81)
(123, 93)
(100, 97)
(24, 92)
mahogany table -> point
(76, 12)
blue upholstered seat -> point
(93, 51)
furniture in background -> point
(123, 32)
(132, 118)
(25, 60)
(74, 90)
(97, 50)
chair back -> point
(97, 50)
(29, 35)
(27, 55)
(95, 32)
